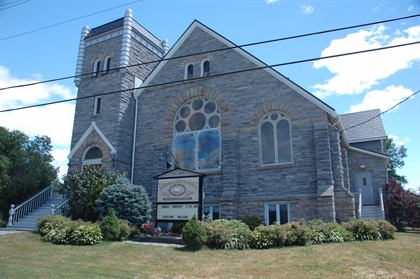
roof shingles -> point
(371, 129)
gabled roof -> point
(363, 126)
(245, 54)
(84, 137)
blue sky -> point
(349, 84)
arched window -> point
(275, 139)
(107, 65)
(96, 68)
(196, 131)
(205, 68)
(189, 71)
(93, 156)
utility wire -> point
(221, 49)
(209, 77)
(13, 5)
(67, 21)
(379, 114)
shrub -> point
(51, 222)
(277, 235)
(386, 229)
(91, 214)
(221, 232)
(130, 202)
(126, 230)
(81, 185)
(58, 235)
(261, 238)
(296, 234)
(252, 221)
(193, 233)
(110, 226)
(177, 227)
(3, 223)
(363, 230)
(86, 235)
(236, 241)
(328, 232)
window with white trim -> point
(212, 210)
(189, 71)
(275, 138)
(276, 212)
(197, 139)
(205, 68)
(97, 106)
(96, 67)
(93, 156)
(107, 65)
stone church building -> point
(265, 145)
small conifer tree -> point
(193, 233)
(110, 226)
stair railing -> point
(360, 203)
(381, 201)
(60, 209)
(26, 207)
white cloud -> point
(271, 1)
(410, 8)
(382, 99)
(307, 9)
(54, 121)
(398, 141)
(354, 74)
(377, 7)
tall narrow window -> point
(275, 139)
(197, 137)
(276, 212)
(189, 71)
(97, 106)
(205, 68)
(96, 68)
(107, 65)
(212, 211)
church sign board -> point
(179, 195)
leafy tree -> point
(81, 186)
(401, 206)
(25, 166)
(397, 155)
(130, 202)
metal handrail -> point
(381, 200)
(26, 207)
(59, 209)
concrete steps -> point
(372, 212)
(28, 223)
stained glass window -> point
(197, 135)
(275, 139)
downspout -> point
(137, 92)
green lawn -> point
(23, 255)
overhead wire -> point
(220, 49)
(212, 76)
(2, 9)
(67, 21)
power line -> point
(212, 76)
(67, 21)
(13, 5)
(379, 114)
(222, 49)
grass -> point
(24, 255)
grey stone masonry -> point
(324, 174)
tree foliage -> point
(397, 155)
(25, 166)
(401, 206)
(81, 185)
(130, 202)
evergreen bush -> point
(91, 214)
(110, 226)
(193, 233)
(252, 221)
(177, 227)
(130, 202)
